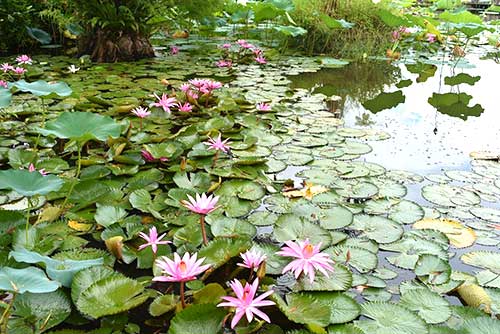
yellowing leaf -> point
(308, 192)
(484, 155)
(475, 296)
(80, 227)
(49, 214)
(115, 246)
(459, 235)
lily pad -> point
(29, 183)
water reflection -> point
(433, 125)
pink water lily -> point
(225, 46)
(141, 112)
(19, 70)
(431, 38)
(186, 107)
(24, 59)
(246, 303)
(165, 102)
(148, 157)
(224, 63)
(252, 259)
(260, 59)
(202, 205)
(218, 144)
(262, 106)
(174, 50)
(152, 239)
(3, 84)
(308, 259)
(31, 169)
(180, 270)
(185, 87)
(6, 67)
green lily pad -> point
(28, 279)
(44, 88)
(29, 183)
(429, 305)
(198, 319)
(290, 227)
(379, 229)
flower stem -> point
(141, 124)
(28, 218)
(6, 314)
(73, 184)
(216, 157)
(203, 231)
(250, 277)
(183, 300)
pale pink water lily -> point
(225, 46)
(192, 95)
(186, 107)
(262, 106)
(260, 59)
(218, 144)
(202, 205)
(246, 303)
(3, 84)
(431, 38)
(141, 112)
(308, 259)
(224, 63)
(180, 270)
(152, 239)
(185, 87)
(257, 52)
(174, 49)
(6, 67)
(31, 169)
(24, 59)
(165, 102)
(252, 259)
(19, 70)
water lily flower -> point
(241, 42)
(224, 63)
(246, 303)
(185, 87)
(73, 69)
(308, 259)
(24, 59)
(19, 70)
(180, 270)
(165, 102)
(213, 85)
(431, 38)
(218, 144)
(6, 67)
(252, 259)
(202, 205)
(186, 107)
(3, 84)
(174, 49)
(225, 46)
(31, 169)
(395, 35)
(153, 240)
(141, 112)
(260, 59)
(257, 52)
(192, 95)
(148, 157)
(262, 106)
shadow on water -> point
(436, 114)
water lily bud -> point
(261, 272)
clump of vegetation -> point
(357, 28)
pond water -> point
(423, 140)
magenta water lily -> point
(153, 240)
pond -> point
(383, 180)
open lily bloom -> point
(180, 270)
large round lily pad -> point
(29, 183)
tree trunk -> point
(109, 46)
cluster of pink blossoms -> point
(242, 45)
(397, 34)
(17, 69)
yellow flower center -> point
(182, 266)
(308, 250)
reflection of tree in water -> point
(360, 81)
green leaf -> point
(82, 127)
(107, 215)
(62, 271)
(231, 227)
(198, 319)
(29, 279)
(44, 88)
(359, 258)
(209, 294)
(220, 251)
(460, 17)
(437, 270)
(390, 318)
(379, 229)
(163, 304)
(111, 295)
(460, 79)
(392, 20)
(291, 227)
(86, 277)
(40, 35)
(29, 183)
(42, 311)
(385, 101)
(303, 308)
(429, 305)
(483, 259)
(342, 307)
(290, 30)
(5, 97)
(332, 23)
(339, 280)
